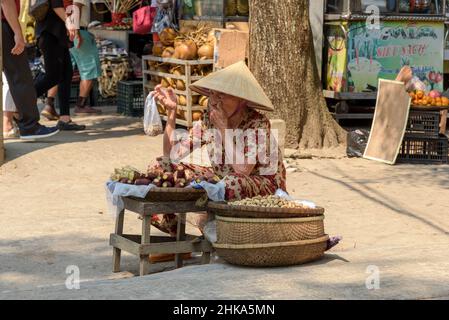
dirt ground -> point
(53, 210)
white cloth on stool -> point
(115, 191)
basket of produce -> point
(251, 230)
(263, 207)
(172, 183)
(273, 254)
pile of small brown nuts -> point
(267, 202)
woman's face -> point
(229, 104)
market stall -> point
(361, 49)
(185, 50)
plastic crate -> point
(74, 92)
(97, 100)
(425, 123)
(424, 150)
(130, 99)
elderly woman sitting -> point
(234, 97)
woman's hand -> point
(218, 117)
(166, 97)
(405, 75)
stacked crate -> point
(423, 142)
(191, 109)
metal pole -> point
(2, 150)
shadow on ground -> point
(107, 126)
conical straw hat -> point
(238, 81)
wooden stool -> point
(145, 244)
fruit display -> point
(189, 43)
(180, 177)
(267, 202)
(193, 48)
(430, 99)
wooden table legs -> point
(146, 238)
(180, 236)
(116, 252)
(144, 245)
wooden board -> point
(390, 121)
(427, 108)
(144, 207)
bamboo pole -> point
(2, 149)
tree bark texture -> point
(282, 58)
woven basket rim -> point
(269, 220)
(271, 245)
(225, 206)
(176, 190)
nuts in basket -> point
(267, 202)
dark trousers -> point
(58, 71)
(20, 80)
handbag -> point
(38, 9)
(143, 19)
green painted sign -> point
(381, 53)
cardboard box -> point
(232, 46)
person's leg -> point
(85, 88)
(64, 87)
(53, 54)
(87, 60)
(49, 111)
(9, 109)
(65, 122)
(18, 75)
(8, 118)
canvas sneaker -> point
(41, 133)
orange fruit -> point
(438, 104)
(412, 95)
(420, 94)
(445, 101)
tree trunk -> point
(282, 58)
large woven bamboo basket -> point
(225, 210)
(273, 254)
(174, 194)
(250, 231)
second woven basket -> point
(260, 231)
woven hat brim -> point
(238, 81)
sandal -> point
(49, 111)
(70, 126)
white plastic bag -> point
(152, 123)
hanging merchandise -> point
(164, 17)
(119, 10)
(143, 19)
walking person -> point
(18, 75)
(85, 56)
(54, 44)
